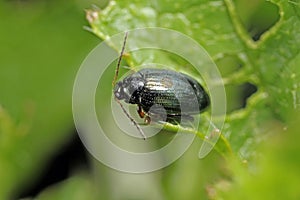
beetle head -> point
(129, 89)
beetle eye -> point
(117, 91)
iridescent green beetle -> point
(169, 89)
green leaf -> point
(271, 64)
(273, 60)
(277, 58)
(200, 20)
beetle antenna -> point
(132, 120)
(114, 83)
(120, 59)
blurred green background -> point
(42, 44)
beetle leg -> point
(147, 119)
(140, 112)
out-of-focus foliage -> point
(43, 43)
(41, 47)
(76, 188)
(276, 175)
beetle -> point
(176, 94)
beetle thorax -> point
(129, 89)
